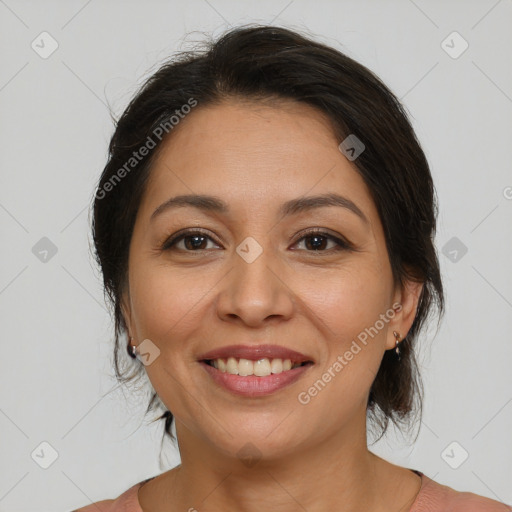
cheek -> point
(166, 301)
(167, 310)
(350, 304)
(349, 300)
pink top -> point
(432, 497)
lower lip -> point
(253, 386)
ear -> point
(405, 305)
(126, 310)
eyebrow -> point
(294, 206)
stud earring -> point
(132, 349)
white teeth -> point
(245, 367)
(276, 366)
(262, 367)
(221, 365)
(232, 366)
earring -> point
(132, 349)
(397, 341)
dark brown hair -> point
(264, 63)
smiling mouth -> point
(260, 368)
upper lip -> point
(255, 352)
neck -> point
(339, 473)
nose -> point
(256, 292)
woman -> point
(265, 229)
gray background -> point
(57, 382)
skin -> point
(189, 301)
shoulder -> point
(470, 502)
(99, 506)
(126, 502)
(436, 497)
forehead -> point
(246, 126)
(254, 155)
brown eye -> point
(318, 241)
(314, 241)
(193, 241)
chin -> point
(265, 441)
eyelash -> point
(341, 243)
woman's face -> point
(254, 276)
